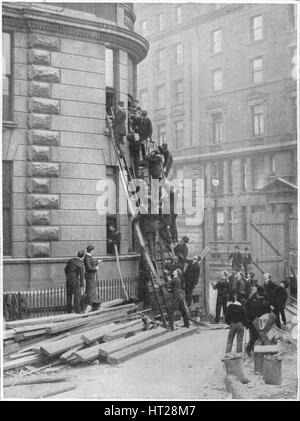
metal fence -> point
(47, 302)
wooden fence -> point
(46, 302)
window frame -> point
(10, 79)
(214, 43)
(214, 71)
(244, 223)
(159, 19)
(143, 31)
(230, 223)
(213, 121)
(159, 62)
(177, 54)
(253, 125)
(292, 16)
(253, 29)
(179, 15)
(158, 131)
(177, 101)
(244, 175)
(217, 224)
(259, 70)
(159, 106)
(177, 121)
(255, 173)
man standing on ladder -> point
(119, 127)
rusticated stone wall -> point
(40, 168)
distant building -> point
(64, 65)
(218, 85)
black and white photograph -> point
(149, 243)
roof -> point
(281, 182)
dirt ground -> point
(190, 368)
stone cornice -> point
(30, 19)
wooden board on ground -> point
(115, 346)
(34, 380)
(66, 356)
(93, 335)
(64, 317)
(59, 347)
(146, 346)
(70, 324)
(20, 362)
(29, 335)
(10, 348)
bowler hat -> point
(185, 239)
(89, 248)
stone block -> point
(38, 153)
(36, 56)
(43, 201)
(77, 62)
(37, 233)
(43, 169)
(39, 121)
(44, 73)
(44, 42)
(44, 105)
(38, 250)
(43, 137)
(40, 89)
(38, 217)
(38, 185)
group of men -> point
(243, 300)
(81, 273)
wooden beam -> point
(133, 351)
(35, 380)
(266, 239)
(60, 327)
(91, 336)
(20, 362)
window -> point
(178, 54)
(144, 99)
(293, 16)
(159, 21)
(159, 60)
(294, 112)
(230, 176)
(231, 224)
(178, 133)
(7, 191)
(161, 134)
(256, 28)
(244, 175)
(217, 178)
(160, 96)
(219, 224)
(143, 26)
(179, 14)
(6, 77)
(258, 172)
(178, 92)
(257, 120)
(217, 80)
(244, 222)
(216, 41)
(257, 70)
(273, 164)
(109, 68)
(218, 128)
(205, 176)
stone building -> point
(64, 64)
(219, 85)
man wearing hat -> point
(181, 251)
(145, 131)
(223, 287)
(191, 278)
(74, 272)
(279, 300)
(119, 127)
(236, 259)
(177, 299)
(91, 268)
(168, 158)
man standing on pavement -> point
(236, 318)
(178, 299)
(223, 296)
(191, 277)
(74, 271)
(236, 259)
(247, 260)
(181, 251)
(91, 268)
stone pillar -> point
(208, 172)
(41, 138)
(249, 179)
(225, 176)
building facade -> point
(64, 65)
(219, 84)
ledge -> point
(25, 260)
(9, 124)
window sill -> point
(252, 42)
(9, 124)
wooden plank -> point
(61, 346)
(118, 334)
(93, 335)
(35, 380)
(20, 362)
(65, 317)
(10, 348)
(133, 351)
(265, 349)
(115, 346)
(20, 355)
(66, 356)
(8, 334)
(112, 303)
(60, 327)
(29, 335)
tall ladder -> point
(125, 176)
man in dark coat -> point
(270, 289)
(74, 271)
(237, 320)
(191, 278)
(91, 268)
(168, 158)
(113, 238)
(145, 132)
(223, 296)
(135, 117)
(178, 299)
(242, 289)
(181, 251)
(119, 127)
(279, 299)
(149, 227)
(155, 164)
(256, 306)
(252, 279)
(247, 260)
(236, 259)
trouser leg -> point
(224, 306)
(189, 297)
(184, 312)
(69, 296)
(277, 313)
(253, 336)
(283, 318)
(230, 339)
(76, 291)
(239, 337)
(218, 309)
